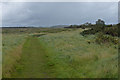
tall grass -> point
(12, 47)
(74, 57)
(69, 55)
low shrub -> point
(107, 30)
(101, 38)
(113, 31)
(92, 31)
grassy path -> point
(33, 61)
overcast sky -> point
(57, 13)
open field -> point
(56, 53)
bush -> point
(113, 31)
(101, 38)
(92, 30)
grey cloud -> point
(52, 13)
(119, 12)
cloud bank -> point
(57, 13)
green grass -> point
(33, 61)
(77, 58)
(10, 41)
(11, 51)
(66, 54)
(0, 55)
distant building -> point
(100, 22)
